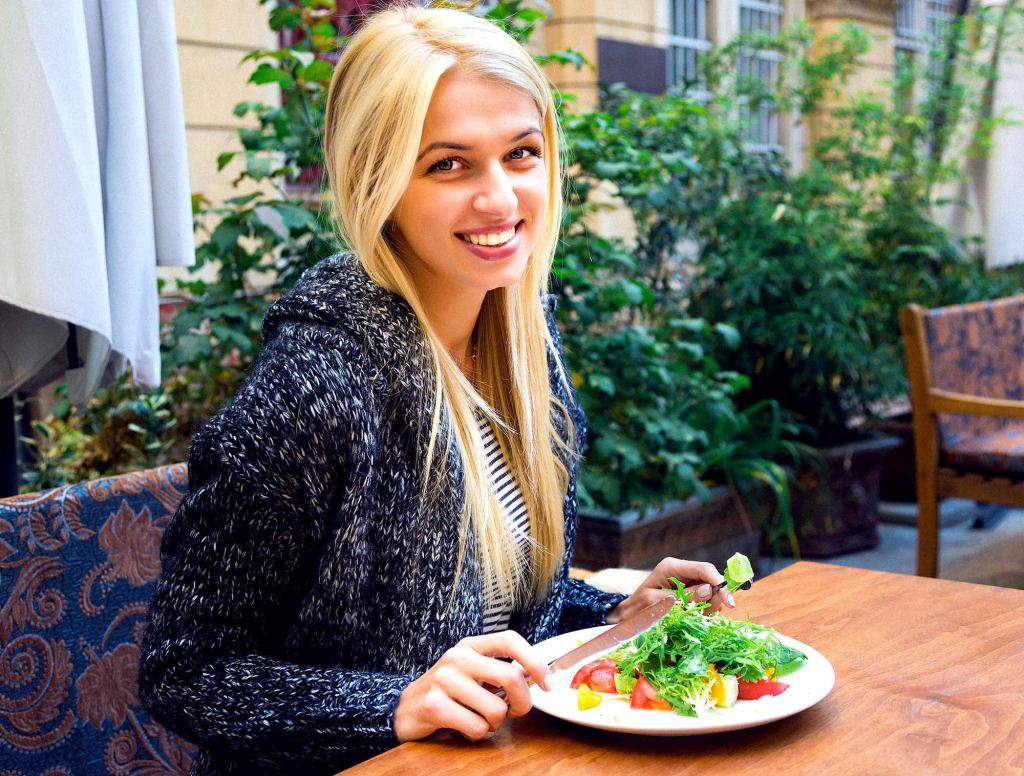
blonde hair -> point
(376, 107)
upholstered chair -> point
(78, 565)
(966, 369)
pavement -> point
(980, 544)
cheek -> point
(414, 213)
(534, 193)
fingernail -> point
(704, 591)
(732, 601)
(546, 684)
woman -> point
(387, 508)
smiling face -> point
(475, 204)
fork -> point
(745, 586)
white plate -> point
(807, 685)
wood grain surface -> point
(929, 680)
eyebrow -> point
(462, 147)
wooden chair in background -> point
(966, 369)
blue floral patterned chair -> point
(966, 369)
(78, 565)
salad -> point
(691, 662)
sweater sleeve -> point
(236, 560)
(584, 606)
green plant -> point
(781, 265)
(119, 429)
(664, 421)
(898, 157)
(250, 248)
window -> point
(687, 42)
(923, 25)
(909, 27)
(940, 15)
(762, 66)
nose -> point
(496, 195)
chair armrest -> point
(966, 404)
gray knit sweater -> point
(303, 586)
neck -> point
(452, 313)
(453, 319)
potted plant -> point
(673, 466)
(729, 235)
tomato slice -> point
(751, 691)
(583, 675)
(603, 679)
(645, 697)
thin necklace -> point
(470, 362)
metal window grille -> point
(939, 15)
(923, 25)
(763, 121)
(910, 36)
(687, 42)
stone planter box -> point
(687, 529)
(842, 515)
(899, 475)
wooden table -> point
(929, 680)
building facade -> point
(652, 44)
(649, 45)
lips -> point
(493, 252)
(488, 230)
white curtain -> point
(95, 193)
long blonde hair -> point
(376, 107)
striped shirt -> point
(496, 614)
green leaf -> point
(243, 199)
(729, 333)
(224, 159)
(305, 58)
(267, 74)
(319, 70)
(270, 217)
(258, 166)
(296, 217)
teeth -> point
(495, 238)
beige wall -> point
(577, 24)
(212, 39)
(878, 65)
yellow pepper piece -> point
(717, 686)
(586, 698)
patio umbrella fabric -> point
(95, 193)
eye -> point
(520, 153)
(444, 165)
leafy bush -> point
(664, 421)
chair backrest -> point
(977, 349)
(78, 566)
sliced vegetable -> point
(645, 697)
(692, 660)
(724, 688)
(603, 679)
(586, 698)
(738, 572)
(731, 686)
(751, 691)
(604, 682)
(789, 660)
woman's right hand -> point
(451, 695)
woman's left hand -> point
(699, 579)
